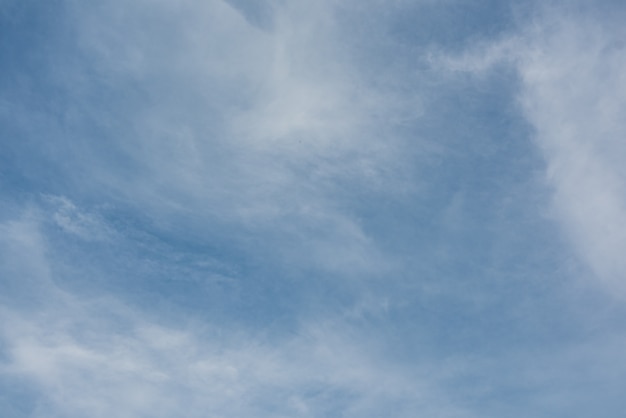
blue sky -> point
(312, 209)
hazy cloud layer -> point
(298, 209)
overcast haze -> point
(330, 208)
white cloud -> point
(96, 357)
(88, 367)
(213, 120)
(72, 220)
(264, 127)
(24, 271)
(573, 93)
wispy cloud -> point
(80, 353)
(86, 355)
(93, 367)
(311, 209)
(209, 119)
(572, 93)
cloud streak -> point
(571, 92)
(297, 209)
(211, 121)
(84, 355)
(574, 96)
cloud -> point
(23, 266)
(90, 367)
(78, 353)
(72, 220)
(82, 354)
(204, 122)
(571, 91)
(573, 94)
(202, 183)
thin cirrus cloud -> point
(572, 94)
(240, 124)
(296, 209)
(94, 356)
(575, 99)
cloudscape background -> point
(332, 208)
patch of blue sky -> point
(293, 209)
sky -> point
(331, 208)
